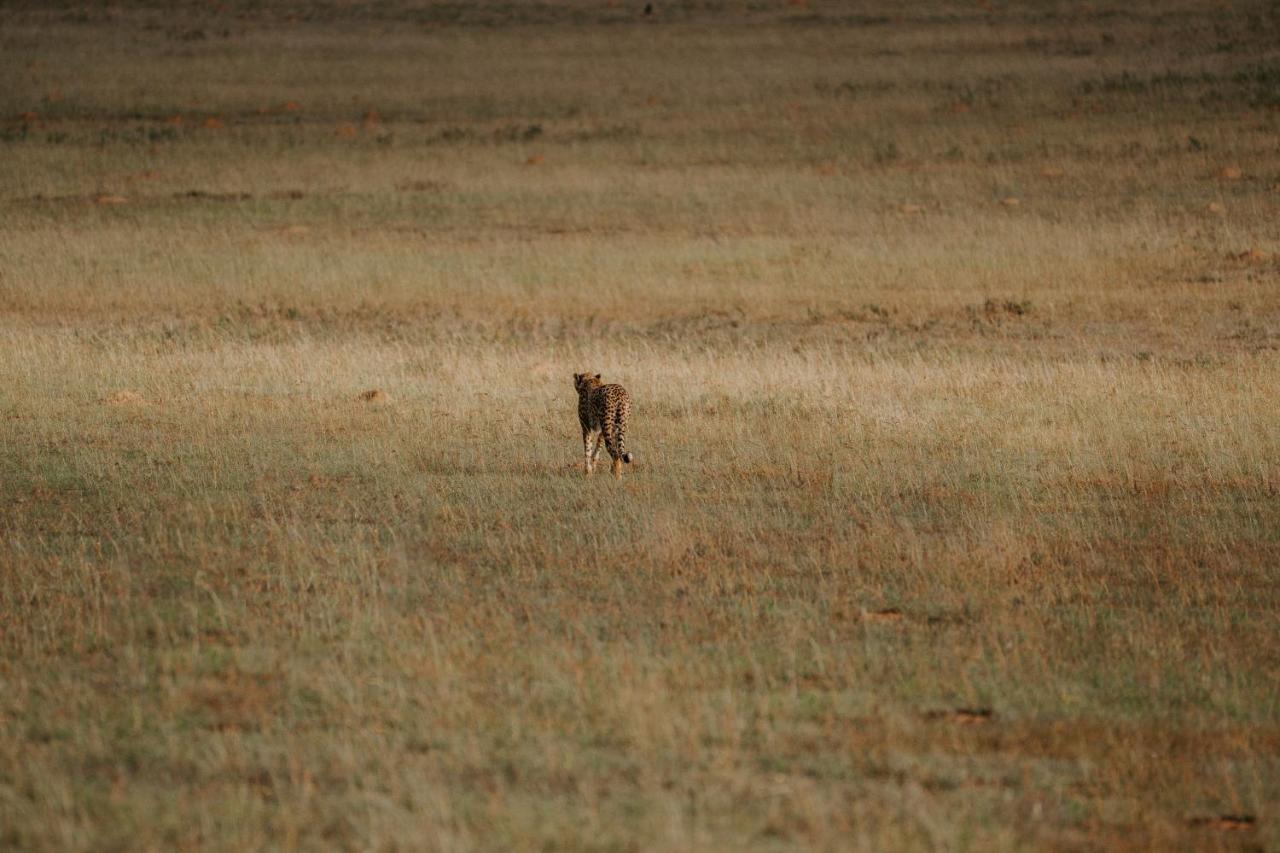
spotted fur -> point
(603, 411)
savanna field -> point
(953, 335)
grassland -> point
(952, 331)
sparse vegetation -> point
(952, 334)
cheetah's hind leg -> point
(591, 445)
(611, 433)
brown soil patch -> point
(890, 615)
(199, 195)
(124, 398)
(235, 701)
(421, 187)
(963, 716)
(1226, 822)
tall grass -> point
(955, 520)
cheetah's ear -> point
(597, 376)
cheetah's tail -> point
(621, 433)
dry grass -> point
(952, 335)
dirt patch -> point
(203, 195)
(421, 187)
(235, 701)
(124, 397)
(963, 716)
(888, 616)
(1226, 822)
(1251, 256)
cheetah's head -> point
(586, 381)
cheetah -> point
(603, 411)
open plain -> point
(953, 331)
